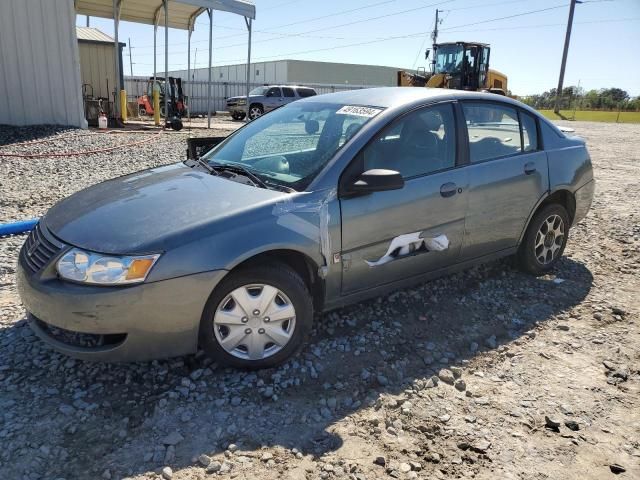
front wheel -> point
(545, 240)
(257, 317)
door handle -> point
(448, 189)
(529, 168)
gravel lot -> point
(487, 374)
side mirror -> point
(377, 180)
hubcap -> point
(549, 239)
(254, 321)
(255, 113)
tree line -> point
(577, 98)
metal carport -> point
(180, 14)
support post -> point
(189, 73)
(565, 52)
(166, 60)
(248, 22)
(155, 53)
(210, 12)
(116, 56)
(155, 94)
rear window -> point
(494, 131)
(306, 92)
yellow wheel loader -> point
(460, 66)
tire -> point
(235, 116)
(250, 328)
(543, 245)
(142, 112)
(255, 111)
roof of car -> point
(388, 97)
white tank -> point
(102, 121)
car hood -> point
(242, 97)
(152, 210)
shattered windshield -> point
(290, 145)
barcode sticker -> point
(359, 111)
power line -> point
(411, 35)
(416, 34)
(419, 34)
(508, 16)
(302, 34)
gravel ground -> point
(485, 374)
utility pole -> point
(567, 39)
(434, 37)
(130, 60)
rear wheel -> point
(257, 317)
(142, 112)
(545, 240)
(255, 111)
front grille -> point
(38, 250)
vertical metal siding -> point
(39, 64)
(96, 66)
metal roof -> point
(93, 35)
(182, 13)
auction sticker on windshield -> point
(359, 111)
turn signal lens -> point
(139, 268)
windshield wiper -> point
(241, 170)
(204, 164)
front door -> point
(273, 99)
(507, 176)
(392, 235)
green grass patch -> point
(593, 116)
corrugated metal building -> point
(303, 72)
(39, 63)
(97, 63)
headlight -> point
(242, 101)
(96, 268)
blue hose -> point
(15, 228)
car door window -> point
(419, 143)
(494, 131)
(529, 132)
(288, 92)
(274, 92)
(306, 92)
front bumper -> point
(237, 109)
(144, 322)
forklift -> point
(177, 104)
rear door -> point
(288, 94)
(393, 235)
(508, 175)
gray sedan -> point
(321, 203)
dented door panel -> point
(407, 220)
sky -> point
(526, 46)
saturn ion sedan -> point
(321, 203)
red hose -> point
(71, 154)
